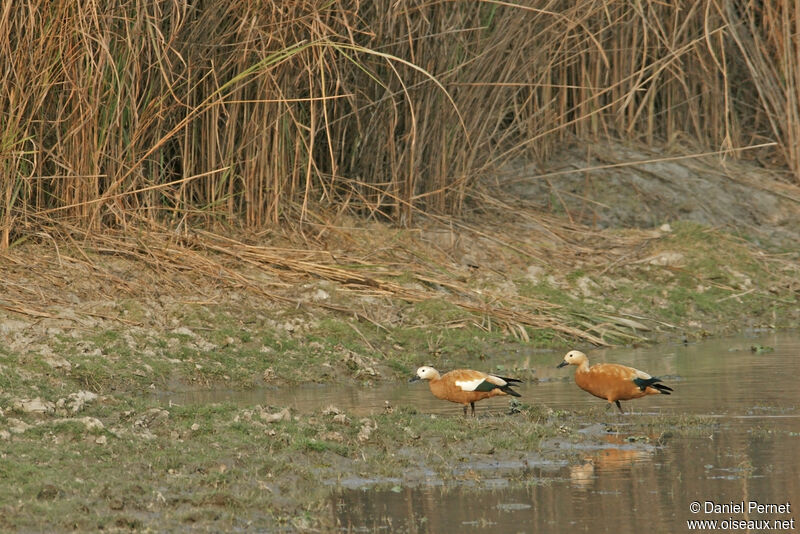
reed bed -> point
(118, 113)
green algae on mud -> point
(142, 465)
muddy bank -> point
(130, 461)
(124, 461)
(215, 467)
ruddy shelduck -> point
(466, 386)
(612, 381)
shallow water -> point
(752, 454)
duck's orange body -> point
(465, 386)
(612, 381)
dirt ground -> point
(618, 192)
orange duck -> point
(465, 386)
(612, 381)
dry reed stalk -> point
(198, 261)
(768, 38)
(165, 110)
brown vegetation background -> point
(178, 112)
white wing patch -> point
(469, 385)
(472, 385)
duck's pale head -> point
(574, 357)
(425, 372)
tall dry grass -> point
(767, 37)
(129, 112)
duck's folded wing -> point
(477, 381)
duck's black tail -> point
(507, 388)
(510, 382)
(653, 383)
(665, 390)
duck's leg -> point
(619, 406)
(473, 408)
(465, 410)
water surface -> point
(751, 454)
